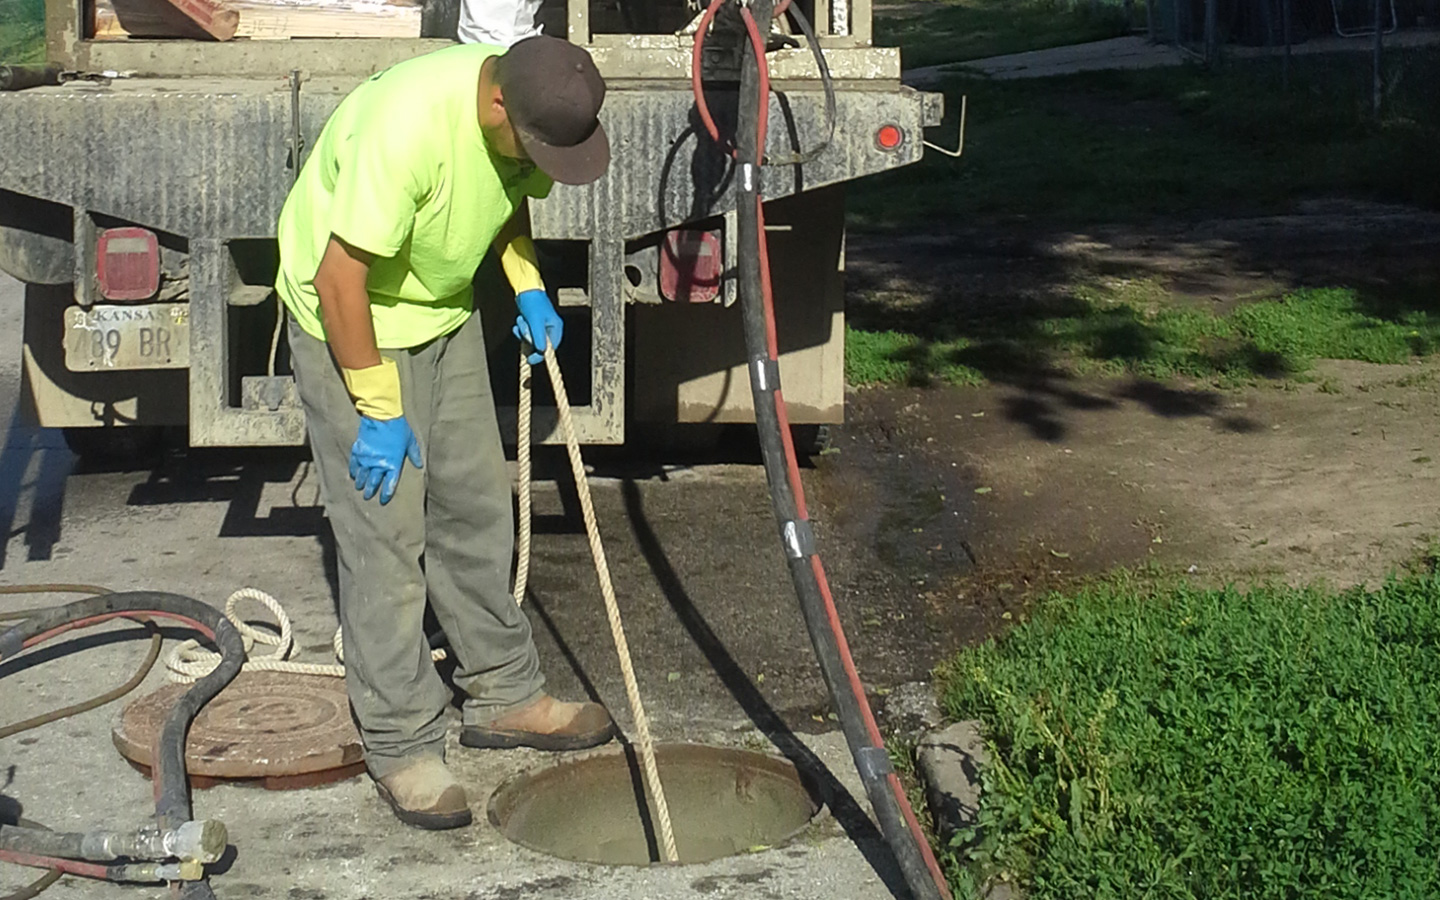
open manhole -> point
(594, 809)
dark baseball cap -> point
(552, 94)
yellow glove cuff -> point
(375, 389)
(521, 265)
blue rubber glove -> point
(537, 318)
(379, 454)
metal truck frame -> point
(198, 143)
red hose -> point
(68, 866)
(696, 84)
(757, 43)
(135, 614)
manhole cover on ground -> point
(287, 731)
(722, 802)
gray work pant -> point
(447, 534)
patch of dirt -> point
(963, 500)
(1380, 250)
(974, 500)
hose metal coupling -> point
(201, 841)
(153, 872)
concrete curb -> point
(949, 763)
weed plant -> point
(1173, 742)
(22, 31)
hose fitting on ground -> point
(195, 841)
(152, 872)
(202, 842)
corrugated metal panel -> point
(186, 162)
(209, 159)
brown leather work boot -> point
(426, 795)
(546, 724)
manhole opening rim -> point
(773, 763)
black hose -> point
(39, 885)
(42, 842)
(871, 757)
(172, 795)
(826, 80)
(18, 78)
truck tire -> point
(677, 439)
(134, 444)
(811, 440)
(701, 439)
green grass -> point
(932, 32)
(1128, 146)
(22, 31)
(1130, 330)
(1172, 742)
(893, 357)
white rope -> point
(522, 466)
(189, 661)
(602, 571)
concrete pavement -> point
(718, 642)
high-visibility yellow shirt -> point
(402, 171)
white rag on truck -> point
(498, 22)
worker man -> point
(417, 173)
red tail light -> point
(691, 263)
(127, 263)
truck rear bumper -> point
(208, 163)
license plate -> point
(143, 336)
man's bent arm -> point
(345, 305)
(373, 382)
(517, 253)
(538, 324)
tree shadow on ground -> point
(847, 811)
(1043, 310)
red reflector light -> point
(691, 263)
(889, 137)
(127, 263)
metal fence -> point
(1204, 25)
